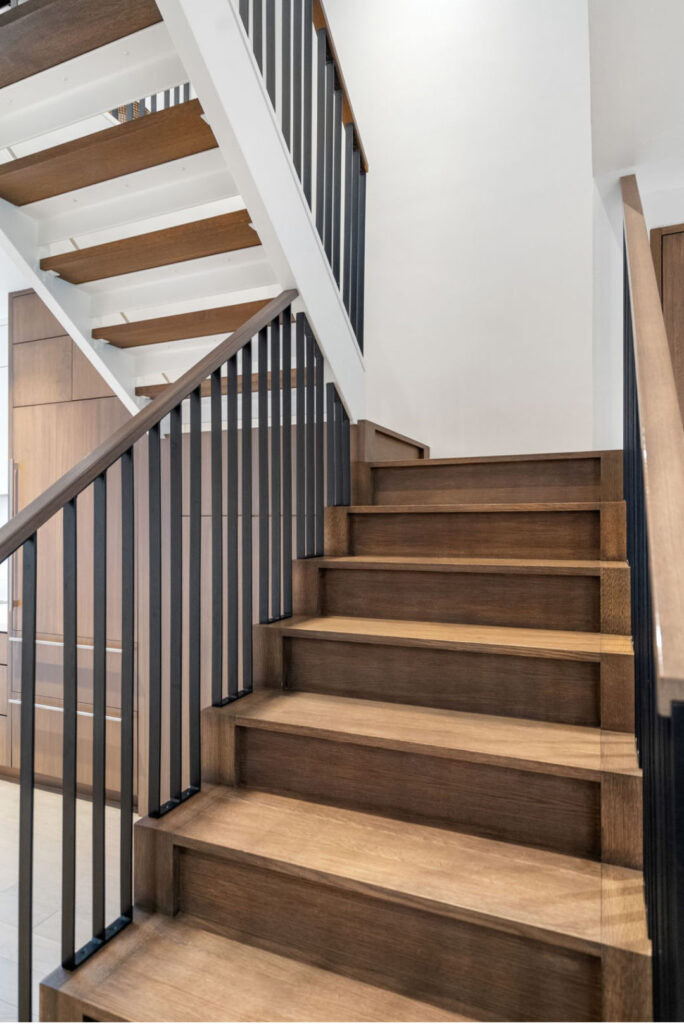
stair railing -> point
(295, 52)
(654, 490)
(163, 510)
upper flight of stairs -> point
(430, 807)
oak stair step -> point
(591, 596)
(208, 237)
(172, 966)
(566, 476)
(121, 149)
(571, 789)
(43, 33)
(556, 530)
(197, 324)
(551, 675)
(479, 927)
(152, 390)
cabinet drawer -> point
(3, 689)
(48, 745)
(49, 661)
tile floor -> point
(47, 886)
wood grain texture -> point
(225, 233)
(31, 319)
(121, 149)
(663, 438)
(43, 33)
(42, 372)
(198, 975)
(152, 390)
(220, 320)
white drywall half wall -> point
(475, 116)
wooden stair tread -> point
(549, 896)
(533, 566)
(531, 506)
(225, 233)
(173, 968)
(473, 460)
(447, 635)
(573, 751)
(198, 324)
(144, 142)
(41, 34)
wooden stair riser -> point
(578, 816)
(459, 965)
(570, 691)
(587, 534)
(594, 478)
(590, 603)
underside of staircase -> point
(430, 807)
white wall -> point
(475, 115)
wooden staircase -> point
(431, 807)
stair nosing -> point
(489, 459)
(484, 565)
(538, 506)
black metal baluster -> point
(286, 69)
(247, 613)
(271, 50)
(275, 470)
(310, 446)
(175, 602)
(307, 155)
(263, 475)
(330, 443)
(348, 211)
(154, 724)
(244, 14)
(195, 588)
(127, 681)
(301, 435)
(232, 522)
(346, 455)
(287, 462)
(99, 698)
(27, 776)
(354, 293)
(321, 57)
(258, 32)
(329, 142)
(339, 451)
(69, 736)
(361, 259)
(297, 81)
(319, 471)
(216, 542)
(336, 242)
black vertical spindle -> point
(232, 522)
(263, 475)
(127, 681)
(275, 470)
(329, 142)
(287, 462)
(336, 242)
(69, 735)
(247, 516)
(348, 209)
(154, 710)
(297, 81)
(339, 451)
(320, 460)
(271, 50)
(216, 541)
(346, 455)
(307, 155)
(286, 69)
(195, 588)
(99, 698)
(330, 444)
(353, 291)
(175, 601)
(244, 14)
(361, 261)
(310, 445)
(258, 32)
(301, 435)
(321, 56)
(27, 776)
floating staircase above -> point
(432, 802)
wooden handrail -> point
(662, 450)
(22, 526)
(320, 20)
